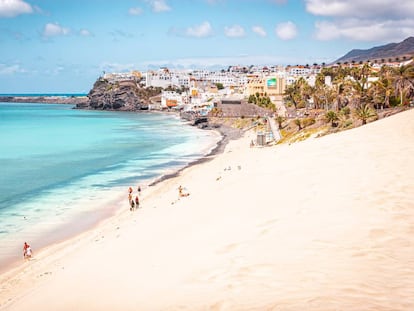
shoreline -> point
(118, 213)
(226, 133)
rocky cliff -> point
(119, 95)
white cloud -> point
(364, 30)
(286, 31)
(135, 11)
(326, 31)
(11, 69)
(390, 9)
(158, 6)
(235, 31)
(200, 31)
(221, 62)
(116, 67)
(12, 8)
(259, 31)
(85, 33)
(368, 20)
(54, 29)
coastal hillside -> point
(400, 50)
(125, 95)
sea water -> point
(61, 167)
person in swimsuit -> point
(27, 251)
(136, 202)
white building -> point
(170, 99)
(165, 78)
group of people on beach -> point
(181, 192)
(133, 203)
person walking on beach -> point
(130, 194)
(27, 250)
(139, 190)
(136, 202)
(132, 205)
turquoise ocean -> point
(62, 170)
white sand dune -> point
(325, 224)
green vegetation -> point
(306, 122)
(298, 122)
(342, 97)
(331, 117)
(351, 88)
(280, 120)
(346, 96)
(262, 101)
(364, 113)
(220, 86)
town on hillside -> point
(342, 95)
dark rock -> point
(125, 95)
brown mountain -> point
(384, 52)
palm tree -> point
(331, 117)
(364, 113)
(338, 95)
(304, 91)
(298, 123)
(280, 120)
(403, 81)
(328, 95)
(380, 92)
(292, 93)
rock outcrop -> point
(72, 100)
(125, 95)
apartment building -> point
(165, 78)
(170, 99)
(272, 86)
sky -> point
(63, 46)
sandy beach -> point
(324, 224)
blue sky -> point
(64, 45)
